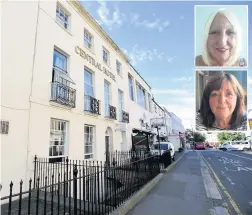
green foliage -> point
(194, 136)
(199, 137)
(230, 136)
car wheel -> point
(224, 149)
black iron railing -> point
(125, 116)
(63, 94)
(110, 112)
(91, 105)
(78, 187)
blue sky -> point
(158, 38)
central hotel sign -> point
(92, 61)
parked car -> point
(200, 146)
(236, 146)
(164, 147)
(211, 145)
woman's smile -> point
(222, 50)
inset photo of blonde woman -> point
(221, 100)
(221, 35)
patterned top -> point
(201, 127)
(241, 62)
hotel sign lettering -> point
(92, 61)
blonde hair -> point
(235, 54)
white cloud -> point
(171, 91)
(185, 100)
(149, 24)
(113, 17)
(170, 59)
(108, 18)
(138, 54)
(182, 103)
(183, 79)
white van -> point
(236, 145)
(164, 146)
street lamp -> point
(155, 123)
(158, 140)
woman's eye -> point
(213, 94)
(213, 32)
(230, 32)
(229, 94)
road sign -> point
(157, 122)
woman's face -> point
(223, 101)
(221, 40)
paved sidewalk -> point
(182, 191)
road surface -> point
(234, 170)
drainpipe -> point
(31, 82)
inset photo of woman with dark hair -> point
(221, 101)
(221, 36)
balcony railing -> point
(63, 94)
(110, 111)
(91, 105)
(125, 117)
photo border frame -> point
(224, 67)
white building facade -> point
(177, 125)
(168, 121)
(67, 89)
(212, 137)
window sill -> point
(89, 159)
(91, 114)
(141, 107)
(55, 104)
(56, 160)
(120, 75)
(109, 119)
(108, 65)
(63, 28)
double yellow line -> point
(232, 202)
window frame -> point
(61, 77)
(120, 104)
(109, 96)
(150, 103)
(92, 80)
(123, 140)
(88, 43)
(132, 87)
(65, 14)
(108, 56)
(142, 91)
(92, 144)
(64, 55)
(4, 127)
(55, 132)
(120, 68)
